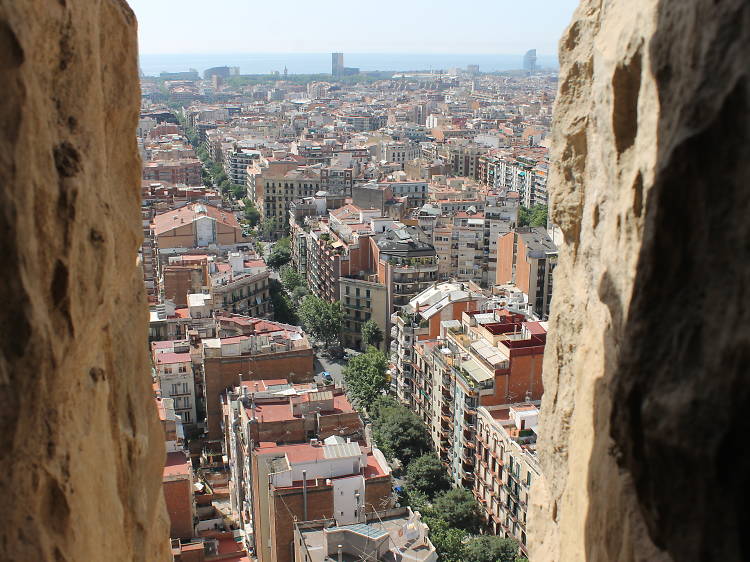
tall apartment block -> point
(296, 456)
(527, 257)
(337, 64)
(506, 466)
(481, 359)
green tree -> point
(459, 509)
(322, 319)
(371, 334)
(534, 216)
(299, 293)
(283, 308)
(538, 215)
(290, 278)
(488, 548)
(279, 257)
(252, 215)
(238, 191)
(448, 541)
(401, 434)
(427, 475)
(380, 404)
(365, 376)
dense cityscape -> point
(349, 280)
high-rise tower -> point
(529, 61)
(337, 64)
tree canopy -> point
(400, 433)
(322, 319)
(252, 215)
(427, 475)
(298, 293)
(448, 541)
(238, 191)
(365, 376)
(489, 548)
(279, 257)
(371, 334)
(459, 509)
(283, 308)
(534, 216)
(291, 278)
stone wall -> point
(81, 448)
(646, 368)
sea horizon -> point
(320, 63)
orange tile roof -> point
(170, 220)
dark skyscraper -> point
(337, 64)
(529, 61)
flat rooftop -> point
(404, 541)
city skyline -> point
(503, 29)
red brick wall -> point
(178, 496)
(284, 504)
(339, 424)
(223, 372)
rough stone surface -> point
(81, 449)
(646, 388)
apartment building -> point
(241, 286)
(399, 152)
(450, 357)
(527, 258)
(415, 192)
(466, 241)
(506, 466)
(523, 171)
(334, 246)
(185, 171)
(392, 534)
(174, 374)
(420, 320)
(462, 157)
(406, 263)
(362, 299)
(277, 186)
(237, 161)
(484, 360)
(276, 411)
(254, 349)
(196, 225)
(330, 479)
(177, 476)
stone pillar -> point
(81, 449)
(646, 386)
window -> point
(186, 401)
(167, 370)
(185, 417)
(175, 388)
(184, 388)
(367, 294)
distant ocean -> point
(318, 63)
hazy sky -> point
(353, 26)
